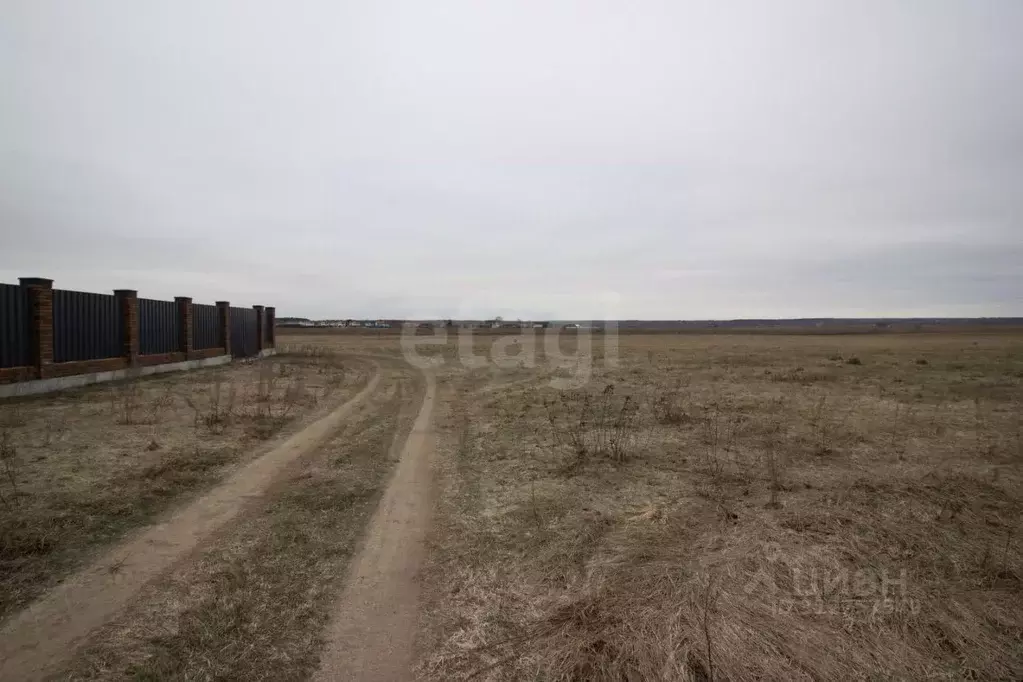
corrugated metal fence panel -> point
(268, 326)
(205, 326)
(244, 339)
(15, 327)
(85, 326)
(159, 327)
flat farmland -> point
(656, 506)
(732, 507)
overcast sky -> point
(530, 158)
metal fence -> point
(159, 327)
(15, 327)
(244, 334)
(85, 326)
(205, 326)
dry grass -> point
(252, 606)
(783, 512)
(735, 507)
(80, 468)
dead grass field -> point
(734, 508)
(719, 507)
(79, 469)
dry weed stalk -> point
(820, 421)
(708, 605)
(1005, 550)
(12, 417)
(55, 426)
(619, 432)
(773, 466)
(824, 424)
(273, 408)
(8, 456)
(126, 401)
(938, 424)
(714, 461)
(980, 430)
(218, 413)
(536, 510)
(159, 403)
(600, 426)
(266, 384)
(335, 378)
(1019, 429)
(574, 429)
(899, 436)
(669, 406)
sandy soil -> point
(372, 633)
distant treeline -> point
(811, 322)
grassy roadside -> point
(253, 605)
(80, 469)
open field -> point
(735, 507)
(709, 507)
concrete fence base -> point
(39, 386)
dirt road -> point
(372, 631)
(36, 641)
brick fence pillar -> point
(40, 305)
(224, 318)
(128, 305)
(271, 324)
(260, 321)
(184, 324)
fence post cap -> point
(41, 282)
(223, 304)
(179, 299)
(258, 307)
(126, 293)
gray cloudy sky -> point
(531, 158)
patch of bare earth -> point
(372, 631)
(736, 507)
(82, 468)
(252, 602)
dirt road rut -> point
(370, 637)
(36, 641)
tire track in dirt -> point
(371, 634)
(37, 640)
